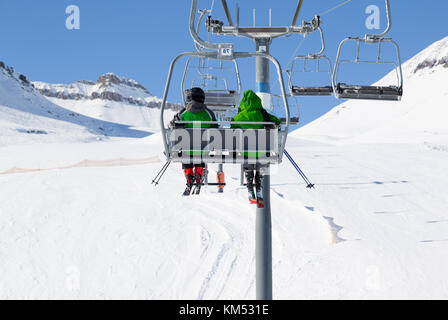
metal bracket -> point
(214, 25)
(226, 52)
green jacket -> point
(251, 110)
(196, 111)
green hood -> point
(250, 102)
(251, 110)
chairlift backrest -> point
(219, 98)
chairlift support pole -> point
(263, 231)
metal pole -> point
(263, 74)
(226, 10)
(296, 14)
(263, 231)
(263, 247)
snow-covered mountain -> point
(111, 98)
(26, 116)
(36, 111)
(420, 117)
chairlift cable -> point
(213, 5)
(336, 7)
(293, 56)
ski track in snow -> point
(129, 239)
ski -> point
(198, 185)
(187, 191)
(197, 190)
(252, 197)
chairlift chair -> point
(318, 58)
(385, 93)
(293, 102)
(218, 99)
(218, 96)
(224, 144)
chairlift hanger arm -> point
(322, 50)
(198, 27)
(194, 34)
(389, 24)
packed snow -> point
(80, 219)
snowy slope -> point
(26, 116)
(112, 98)
(419, 117)
(82, 220)
(97, 229)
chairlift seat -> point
(312, 91)
(389, 93)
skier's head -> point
(196, 94)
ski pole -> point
(296, 166)
(304, 177)
(301, 173)
(159, 176)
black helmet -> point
(196, 94)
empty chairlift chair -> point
(319, 59)
(218, 96)
(388, 93)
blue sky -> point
(138, 38)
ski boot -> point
(250, 187)
(189, 175)
(199, 179)
(221, 181)
(259, 190)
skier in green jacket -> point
(251, 110)
(196, 110)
